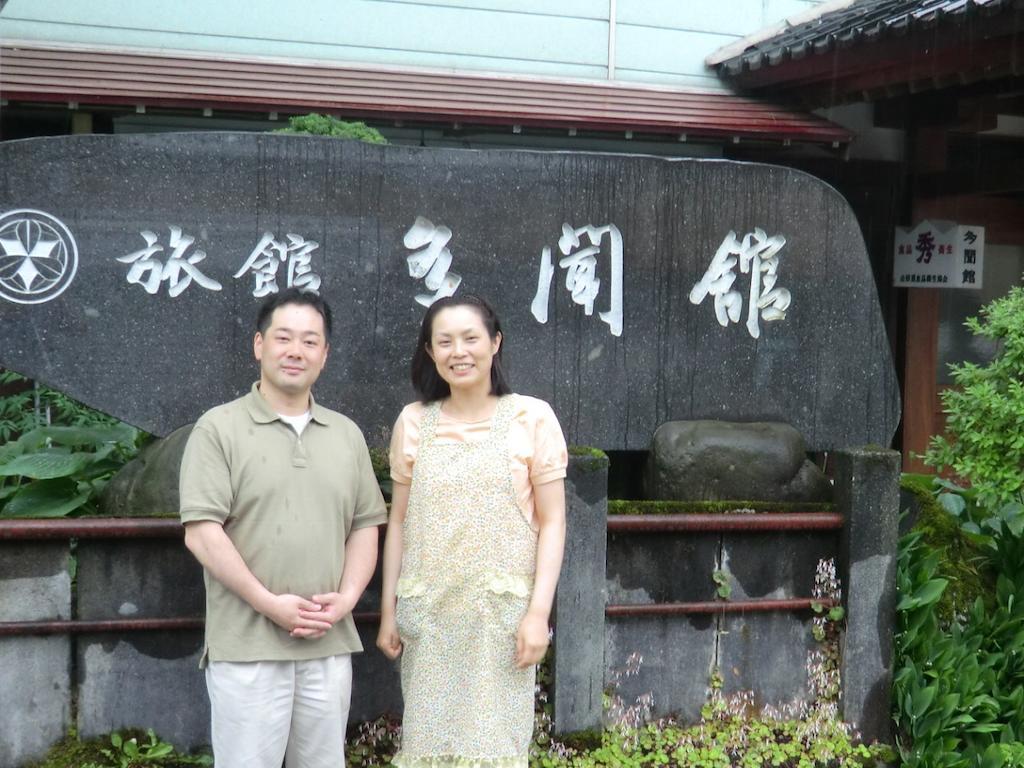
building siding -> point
(656, 41)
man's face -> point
(293, 350)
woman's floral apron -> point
(467, 573)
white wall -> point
(655, 41)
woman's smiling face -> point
(462, 349)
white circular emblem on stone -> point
(38, 256)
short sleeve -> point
(405, 442)
(550, 456)
(204, 484)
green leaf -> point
(43, 466)
(931, 591)
(953, 503)
(921, 700)
(58, 497)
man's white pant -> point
(264, 712)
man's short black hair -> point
(293, 296)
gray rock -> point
(147, 486)
(159, 358)
(718, 460)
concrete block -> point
(677, 656)
(144, 680)
(35, 696)
(777, 565)
(141, 679)
(659, 568)
(35, 671)
(138, 578)
(765, 653)
(35, 583)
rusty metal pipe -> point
(91, 528)
(78, 627)
(704, 523)
(73, 627)
(716, 606)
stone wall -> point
(150, 677)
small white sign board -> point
(939, 254)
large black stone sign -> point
(634, 290)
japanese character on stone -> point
(270, 253)
(757, 255)
(581, 280)
(432, 261)
(178, 272)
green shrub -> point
(960, 560)
(315, 124)
(958, 691)
(984, 440)
(32, 405)
(57, 457)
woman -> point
(474, 546)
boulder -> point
(719, 460)
(147, 486)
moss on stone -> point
(637, 507)
(589, 459)
(959, 560)
(584, 741)
(70, 752)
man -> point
(281, 508)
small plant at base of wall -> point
(124, 749)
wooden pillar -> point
(921, 352)
(920, 374)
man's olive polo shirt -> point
(288, 503)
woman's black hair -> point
(425, 379)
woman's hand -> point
(531, 640)
(388, 640)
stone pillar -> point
(35, 670)
(578, 664)
(867, 494)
